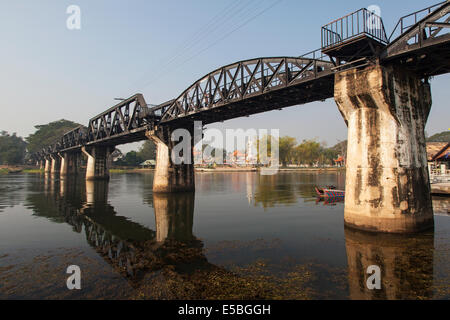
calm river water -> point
(240, 236)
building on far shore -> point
(148, 164)
(340, 161)
(438, 157)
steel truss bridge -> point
(420, 42)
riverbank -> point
(9, 170)
(31, 169)
(230, 169)
(441, 189)
(131, 170)
(19, 169)
(252, 169)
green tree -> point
(48, 134)
(341, 148)
(218, 154)
(440, 137)
(12, 149)
(286, 149)
(147, 151)
(328, 155)
(308, 152)
(131, 159)
(265, 140)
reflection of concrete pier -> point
(166, 263)
(441, 205)
(406, 264)
(174, 216)
(96, 193)
(442, 189)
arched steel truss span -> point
(252, 86)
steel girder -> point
(128, 115)
(244, 80)
(422, 46)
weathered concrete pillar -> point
(56, 164)
(405, 263)
(48, 165)
(75, 163)
(98, 162)
(387, 181)
(63, 170)
(170, 176)
(69, 163)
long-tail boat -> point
(330, 192)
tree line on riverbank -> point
(309, 152)
(15, 150)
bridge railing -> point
(317, 55)
(158, 111)
(359, 23)
(406, 22)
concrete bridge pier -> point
(75, 163)
(48, 164)
(64, 160)
(98, 162)
(169, 175)
(69, 163)
(387, 182)
(55, 164)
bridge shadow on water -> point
(170, 262)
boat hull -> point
(330, 193)
(333, 193)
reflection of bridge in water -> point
(441, 205)
(135, 251)
(130, 248)
(406, 264)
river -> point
(240, 236)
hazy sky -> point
(159, 48)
